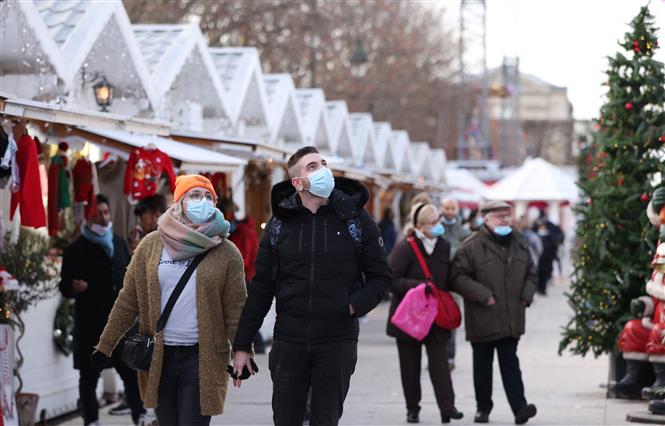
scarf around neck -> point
(184, 239)
(106, 240)
(428, 243)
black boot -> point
(656, 390)
(628, 386)
(657, 406)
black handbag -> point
(137, 349)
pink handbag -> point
(416, 313)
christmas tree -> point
(618, 173)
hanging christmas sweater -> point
(144, 168)
(59, 196)
(29, 194)
(83, 177)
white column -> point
(520, 209)
(238, 185)
(395, 206)
(553, 212)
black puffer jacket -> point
(319, 275)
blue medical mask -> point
(321, 182)
(503, 230)
(200, 211)
(437, 230)
(479, 221)
(447, 221)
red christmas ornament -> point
(661, 139)
(620, 180)
(644, 197)
(629, 106)
(589, 200)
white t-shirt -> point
(182, 328)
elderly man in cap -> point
(494, 273)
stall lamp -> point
(359, 61)
(103, 93)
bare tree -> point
(409, 50)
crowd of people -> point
(196, 283)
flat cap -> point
(493, 205)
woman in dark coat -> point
(408, 274)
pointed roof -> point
(399, 146)
(88, 34)
(419, 156)
(340, 129)
(535, 180)
(283, 109)
(382, 153)
(362, 136)
(312, 110)
(240, 71)
(180, 65)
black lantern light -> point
(103, 93)
(359, 61)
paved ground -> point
(566, 389)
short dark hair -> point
(153, 204)
(298, 155)
(101, 198)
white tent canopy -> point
(192, 157)
(536, 180)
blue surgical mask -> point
(321, 182)
(200, 211)
(437, 230)
(447, 221)
(479, 221)
(503, 230)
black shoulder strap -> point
(275, 229)
(177, 290)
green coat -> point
(482, 268)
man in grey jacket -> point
(494, 273)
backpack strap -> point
(355, 229)
(275, 229)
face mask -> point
(542, 232)
(479, 221)
(99, 229)
(321, 182)
(503, 230)
(200, 211)
(437, 230)
(449, 221)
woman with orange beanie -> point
(186, 381)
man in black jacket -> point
(93, 269)
(323, 280)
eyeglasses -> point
(198, 196)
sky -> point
(564, 42)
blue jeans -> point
(179, 401)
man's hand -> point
(79, 286)
(352, 310)
(491, 301)
(241, 360)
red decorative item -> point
(620, 180)
(661, 139)
(629, 106)
(144, 169)
(644, 197)
(29, 195)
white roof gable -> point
(419, 155)
(382, 153)
(362, 134)
(240, 71)
(180, 65)
(88, 35)
(282, 108)
(311, 107)
(399, 146)
(340, 129)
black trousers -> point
(326, 367)
(511, 375)
(178, 399)
(410, 354)
(88, 379)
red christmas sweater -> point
(29, 196)
(144, 168)
(84, 189)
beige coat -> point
(220, 298)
